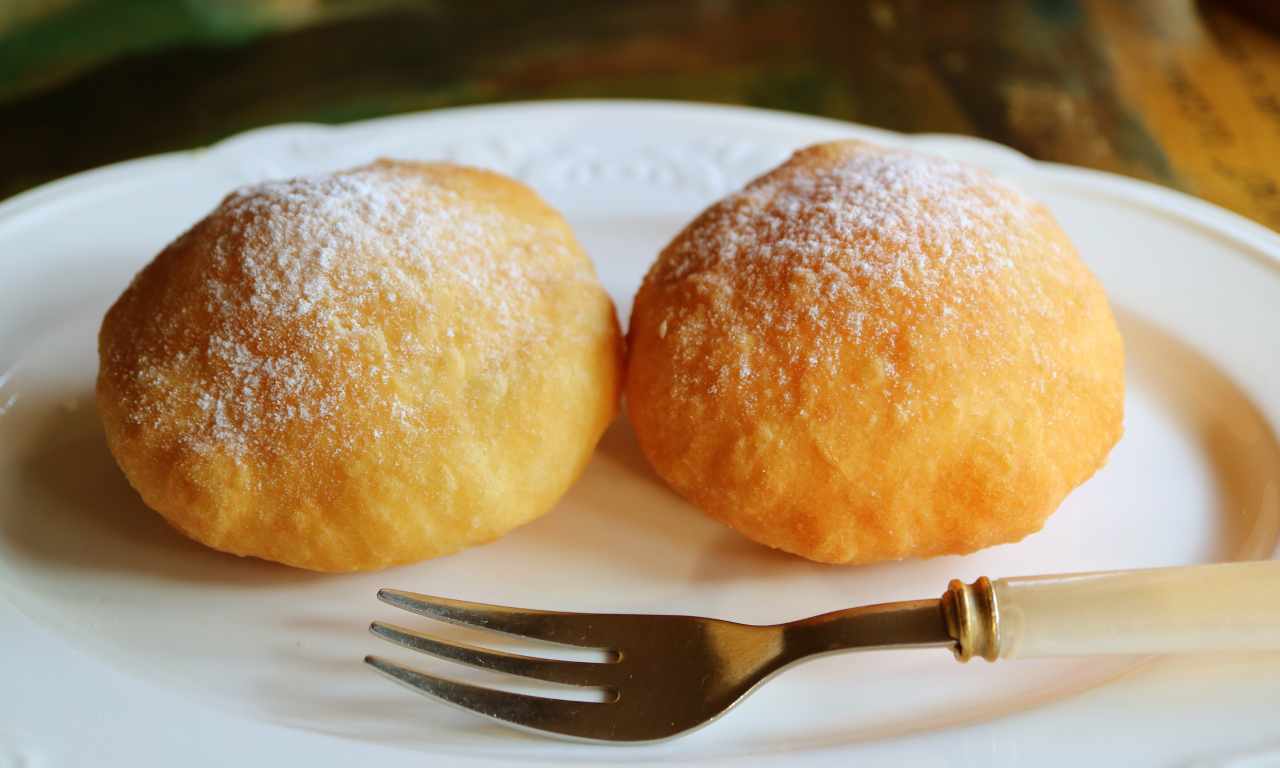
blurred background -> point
(1179, 92)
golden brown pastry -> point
(870, 354)
(361, 369)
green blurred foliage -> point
(44, 42)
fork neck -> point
(908, 624)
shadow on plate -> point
(1233, 434)
(73, 509)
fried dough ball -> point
(361, 369)
(871, 354)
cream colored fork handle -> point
(1224, 607)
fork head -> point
(667, 674)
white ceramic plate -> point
(125, 644)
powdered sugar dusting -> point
(842, 247)
(288, 321)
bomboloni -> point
(871, 354)
(362, 369)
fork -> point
(668, 675)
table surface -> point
(1183, 93)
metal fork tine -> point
(532, 712)
(552, 626)
(552, 670)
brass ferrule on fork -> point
(973, 619)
